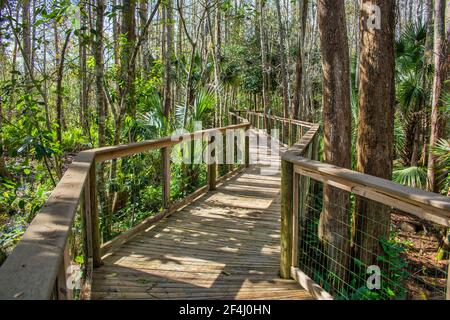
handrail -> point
(423, 204)
(113, 152)
(39, 260)
(272, 117)
(32, 268)
(297, 162)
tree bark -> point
(376, 125)
(299, 63)
(437, 125)
(334, 219)
(281, 53)
(83, 70)
(168, 59)
(101, 104)
(128, 31)
(264, 61)
(26, 42)
(59, 90)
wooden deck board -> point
(225, 245)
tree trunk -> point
(26, 41)
(376, 125)
(337, 133)
(101, 106)
(128, 31)
(281, 53)
(145, 68)
(217, 60)
(265, 62)
(437, 116)
(168, 59)
(83, 71)
(299, 63)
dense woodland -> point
(80, 74)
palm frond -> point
(410, 176)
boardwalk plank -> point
(225, 245)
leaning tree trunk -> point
(376, 125)
(334, 220)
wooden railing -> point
(289, 130)
(300, 169)
(301, 172)
(38, 266)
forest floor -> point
(427, 275)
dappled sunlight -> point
(224, 245)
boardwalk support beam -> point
(95, 224)
(212, 167)
(287, 171)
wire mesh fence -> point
(359, 249)
(129, 190)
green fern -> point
(410, 176)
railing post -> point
(247, 146)
(290, 133)
(212, 167)
(316, 147)
(287, 171)
(64, 293)
(165, 155)
(295, 217)
(86, 208)
(447, 296)
(95, 229)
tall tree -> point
(299, 63)
(82, 43)
(165, 152)
(376, 122)
(337, 131)
(168, 58)
(26, 42)
(437, 118)
(281, 53)
(100, 94)
(264, 60)
(59, 89)
(128, 32)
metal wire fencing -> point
(360, 249)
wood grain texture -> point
(225, 245)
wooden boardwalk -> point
(225, 245)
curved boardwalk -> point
(225, 245)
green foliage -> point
(442, 152)
(241, 66)
(411, 176)
(204, 103)
(74, 140)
